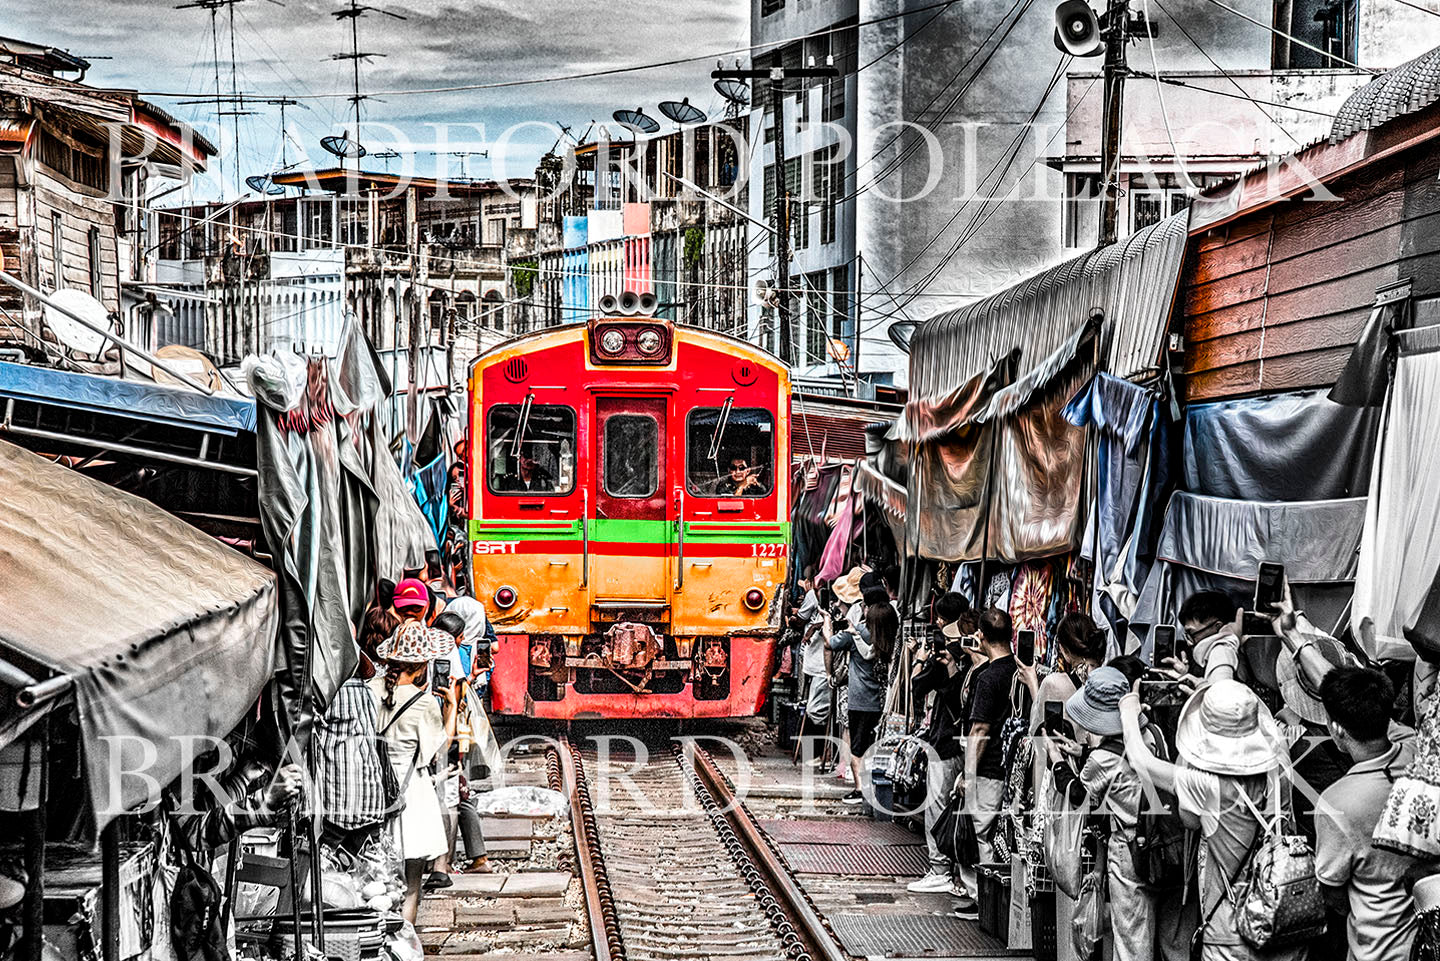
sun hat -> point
(1296, 690)
(847, 589)
(411, 593)
(415, 644)
(1096, 706)
(1224, 729)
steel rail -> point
(792, 898)
(599, 904)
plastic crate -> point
(1043, 943)
(994, 900)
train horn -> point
(648, 303)
(629, 303)
(608, 304)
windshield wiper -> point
(720, 426)
(522, 425)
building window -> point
(97, 276)
(815, 320)
(769, 7)
(840, 326)
(1147, 207)
(1331, 26)
(1082, 210)
(57, 248)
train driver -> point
(742, 480)
(530, 475)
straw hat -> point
(847, 588)
(1096, 706)
(414, 643)
(1224, 729)
(1293, 687)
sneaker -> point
(966, 909)
(932, 883)
(854, 797)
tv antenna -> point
(353, 13)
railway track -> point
(677, 870)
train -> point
(629, 489)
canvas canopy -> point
(165, 632)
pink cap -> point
(411, 593)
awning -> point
(175, 406)
(166, 633)
(1405, 89)
(1132, 283)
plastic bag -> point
(380, 863)
(404, 944)
(523, 800)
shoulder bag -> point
(390, 784)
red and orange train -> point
(629, 491)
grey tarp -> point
(1286, 447)
(1214, 542)
(167, 633)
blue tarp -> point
(177, 406)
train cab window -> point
(544, 460)
(632, 446)
(730, 452)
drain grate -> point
(833, 831)
(860, 860)
(915, 936)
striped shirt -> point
(351, 788)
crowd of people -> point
(1237, 799)
(402, 740)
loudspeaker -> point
(629, 303)
(1077, 29)
(608, 304)
(648, 303)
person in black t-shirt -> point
(986, 709)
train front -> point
(629, 498)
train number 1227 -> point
(768, 550)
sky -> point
(285, 50)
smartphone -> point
(1252, 624)
(1163, 646)
(1025, 647)
(1054, 722)
(440, 674)
(1269, 588)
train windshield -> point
(730, 452)
(543, 460)
(632, 450)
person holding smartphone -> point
(943, 674)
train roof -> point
(567, 332)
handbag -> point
(1064, 833)
(1277, 898)
(954, 833)
(390, 785)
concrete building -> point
(820, 123)
(976, 150)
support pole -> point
(1117, 35)
(782, 219)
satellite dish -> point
(187, 360)
(264, 185)
(682, 112)
(342, 146)
(637, 120)
(72, 333)
(733, 90)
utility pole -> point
(1117, 36)
(782, 195)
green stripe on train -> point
(612, 530)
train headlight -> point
(649, 341)
(754, 598)
(612, 341)
(505, 598)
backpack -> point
(908, 764)
(1277, 898)
(196, 930)
(1158, 851)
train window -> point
(730, 452)
(545, 460)
(632, 443)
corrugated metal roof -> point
(1133, 282)
(1407, 88)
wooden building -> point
(1286, 264)
(74, 164)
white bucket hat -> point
(1224, 729)
(414, 643)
